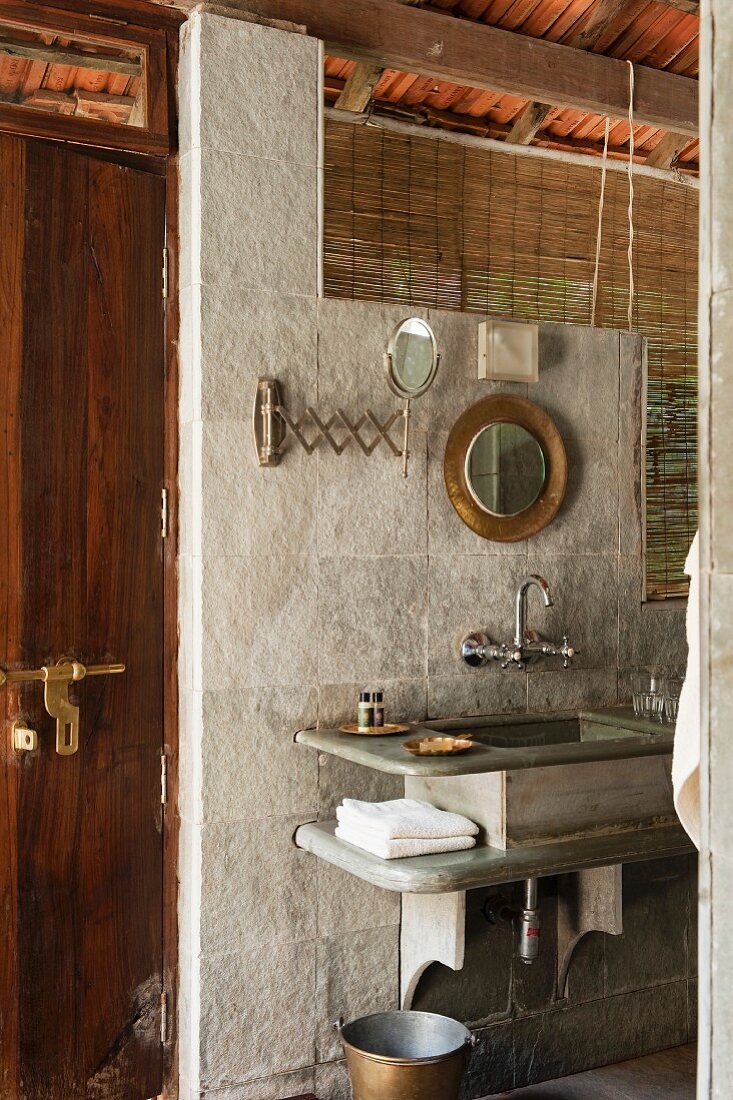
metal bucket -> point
(405, 1055)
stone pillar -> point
(716, 533)
(250, 100)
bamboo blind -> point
(433, 223)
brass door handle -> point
(56, 679)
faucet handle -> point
(567, 651)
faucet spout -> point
(520, 622)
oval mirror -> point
(505, 468)
(412, 358)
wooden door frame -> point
(146, 15)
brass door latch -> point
(56, 679)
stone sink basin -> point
(533, 778)
(540, 793)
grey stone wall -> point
(299, 585)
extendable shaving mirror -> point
(412, 362)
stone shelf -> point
(606, 734)
(484, 866)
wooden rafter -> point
(423, 42)
(359, 89)
(667, 151)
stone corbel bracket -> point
(433, 930)
(587, 901)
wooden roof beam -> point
(690, 7)
(534, 115)
(424, 42)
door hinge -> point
(164, 1017)
(164, 513)
(164, 779)
(165, 272)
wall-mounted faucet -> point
(477, 649)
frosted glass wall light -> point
(507, 351)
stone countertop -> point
(483, 866)
(610, 733)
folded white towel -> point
(399, 849)
(404, 819)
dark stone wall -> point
(628, 995)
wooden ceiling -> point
(658, 34)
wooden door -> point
(81, 576)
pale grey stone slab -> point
(267, 108)
(372, 618)
(404, 701)
(721, 415)
(189, 99)
(258, 620)
(470, 593)
(457, 386)
(352, 340)
(483, 691)
(692, 1010)
(366, 506)
(595, 1033)
(268, 1088)
(190, 710)
(259, 223)
(718, 162)
(357, 974)
(447, 533)
(491, 1065)
(332, 1081)
(339, 779)
(579, 380)
(189, 614)
(588, 520)
(631, 457)
(655, 896)
(189, 220)
(189, 358)
(247, 334)
(484, 866)
(257, 887)
(257, 1013)
(585, 608)
(651, 635)
(348, 904)
(693, 918)
(189, 510)
(572, 688)
(248, 510)
(480, 992)
(255, 728)
(721, 709)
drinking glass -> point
(672, 698)
(641, 687)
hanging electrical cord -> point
(599, 233)
(631, 195)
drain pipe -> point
(529, 937)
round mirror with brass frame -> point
(505, 468)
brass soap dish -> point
(373, 731)
(438, 746)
